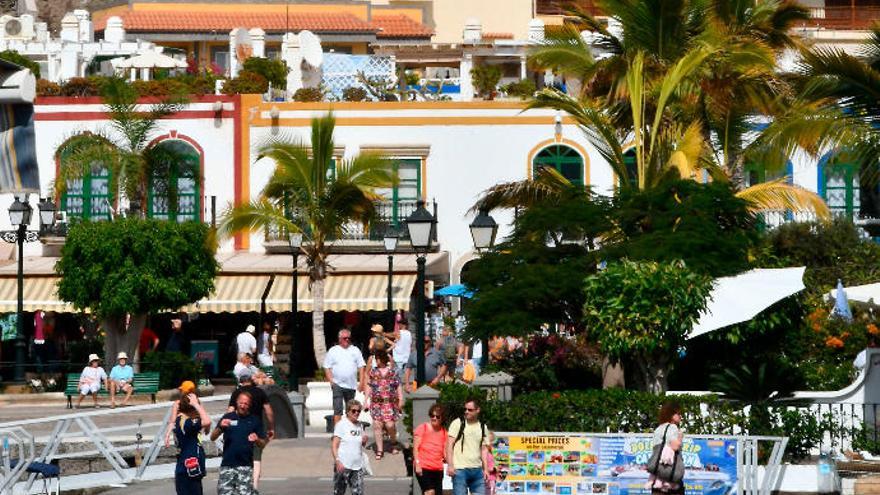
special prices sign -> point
(582, 464)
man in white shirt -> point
(343, 367)
(247, 343)
(402, 347)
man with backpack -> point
(467, 451)
(451, 348)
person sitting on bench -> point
(90, 380)
(121, 378)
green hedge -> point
(173, 368)
(629, 411)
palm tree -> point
(689, 82)
(311, 194)
(124, 150)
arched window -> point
(177, 163)
(632, 166)
(566, 160)
(840, 185)
(87, 197)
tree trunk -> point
(655, 371)
(120, 337)
(613, 375)
(319, 342)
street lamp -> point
(483, 230)
(20, 218)
(420, 225)
(295, 240)
(390, 240)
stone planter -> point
(319, 403)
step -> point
(867, 485)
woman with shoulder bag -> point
(191, 419)
(665, 465)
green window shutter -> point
(87, 197)
(841, 191)
(566, 160)
(632, 166)
(184, 173)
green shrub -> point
(161, 88)
(411, 78)
(247, 83)
(308, 94)
(573, 364)
(486, 78)
(523, 89)
(199, 84)
(273, 70)
(81, 87)
(173, 367)
(48, 88)
(354, 93)
(19, 59)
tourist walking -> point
(267, 348)
(467, 449)
(190, 420)
(347, 449)
(121, 378)
(402, 347)
(241, 430)
(343, 366)
(452, 350)
(260, 408)
(435, 365)
(669, 435)
(379, 342)
(429, 452)
(177, 341)
(90, 380)
(384, 400)
(246, 342)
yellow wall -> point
(414, 14)
(496, 16)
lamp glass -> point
(295, 239)
(483, 231)
(390, 241)
(420, 225)
(47, 212)
(18, 214)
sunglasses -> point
(469, 409)
(344, 338)
(356, 411)
(437, 416)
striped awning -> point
(233, 293)
(39, 293)
(345, 292)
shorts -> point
(89, 388)
(341, 396)
(258, 453)
(431, 480)
(122, 385)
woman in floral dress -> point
(385, 400)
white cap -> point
(250, 329)
(93, 357)
(121, 355)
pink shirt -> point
(432, 446)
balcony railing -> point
(559, 7)
(388, 214)
(845, 17)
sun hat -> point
(377, 328)
(121, 355)
(187, 387)
(93, 357)
(250, 329)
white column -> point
(258, 41)
(233, 59)
(467, 86)
(523, 67)
(133, 76)
(145, 74)
(69, 62)
(292, 56)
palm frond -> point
(780, 195)
(547, 183)
(258, 214)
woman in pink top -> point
(429, 451)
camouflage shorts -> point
(237, 480)
(348, 478)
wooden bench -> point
(143, 383)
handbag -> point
(671, 473)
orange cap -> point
(187, 387)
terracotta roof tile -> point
(400, 26)
(497, 36)
(195, 22)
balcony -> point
(844, 17)
(358, 238)
(561, 7)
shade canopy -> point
(867, 295)
(150, 60)
(741, 297)
(457, 290)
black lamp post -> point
(483, 231)
(390, 241)
(20, 218)
(295, 240)
(420, 225)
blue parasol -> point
(457, 290)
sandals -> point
(379, 455)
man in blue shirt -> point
(241, 431)
(121, 377)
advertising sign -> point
(206, 351)
(613, 465)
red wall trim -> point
(185, 114)
(96, 100)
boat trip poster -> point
(605, 465)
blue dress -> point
(186, 431)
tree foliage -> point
(535, 276)
(644, 310)
(705, 225)
(273, 70)
(19, 59)
(136, 266)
